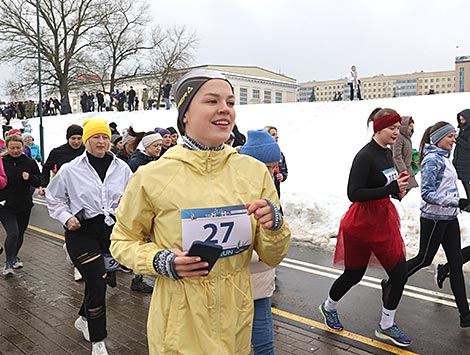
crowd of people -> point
(149, 199)
(125, 100)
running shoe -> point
(330, 317)
(82, 326)
(394, 335)
(17, 264)
(98, 348)
(8, 269)
(138, 284)
(441, 274)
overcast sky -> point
(321, 39)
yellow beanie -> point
(93, 126)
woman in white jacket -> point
(83, 196)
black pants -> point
(447, 234)
(351, 91)
(349, 278)
(83, 245)
(15, 225)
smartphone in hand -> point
(209, 252)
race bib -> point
(110, 263)
(228, 226)
(390, 174)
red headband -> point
(386, 121)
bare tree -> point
(172, 50)
(120, 40)
(66, 32)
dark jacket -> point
(58, 157)
(462, 148)
(17, 193)
(139, 158)
(283, 170)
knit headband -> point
(440, 133)
(186, 88)
(386, 121)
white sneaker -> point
(18, 264)
(76, 274)
(82, 326)
(67, 256)
(8, 270)
(98, 348)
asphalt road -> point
(426, 314)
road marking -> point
(410, 291)
(356, 337)
(43, 231)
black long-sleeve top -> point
(17, 193)
(373, 175)
(58, 157)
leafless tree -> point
(120, 40)
(173, 49)
(66, 32)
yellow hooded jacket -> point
(199, 315)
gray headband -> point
(440, 133)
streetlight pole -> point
(41, 131)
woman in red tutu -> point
(371, 227)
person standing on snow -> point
(354, 83)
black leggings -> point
(349, 278)
(83, 245)
(15, 225)
(447, 234)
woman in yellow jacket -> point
(200, 190)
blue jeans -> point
(262, 337)
(167, 103)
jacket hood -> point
(405, 120)
(431, 148)
(465, 113)
(202, 161)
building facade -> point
(381, 86)
(252, 85)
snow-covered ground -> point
(319, 140)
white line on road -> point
(411, 291)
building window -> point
(243, 96)
(256, 94)
(267, 97)
(278, 97)
(462, 78)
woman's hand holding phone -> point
(189, 266)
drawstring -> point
(230, 278)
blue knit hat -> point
(261, 146)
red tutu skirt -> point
(368, 229)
